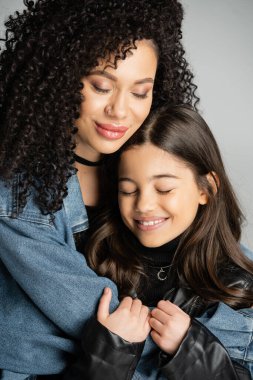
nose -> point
(117, 107)
(145, 202)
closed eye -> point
(140, 96)
(100, 90)
(163, 192)
(127, 193)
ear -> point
(203, 197)
(213, 180)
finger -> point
(145, 312)
(156, 325)
(136, 306)
(160, 315)
(168, 307)
(147, 326)
(155, 336)
(104, 303)
(126, 303)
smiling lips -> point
(111, 131)
(150, 224)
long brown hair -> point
(209, 257)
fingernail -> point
(106, 290)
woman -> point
(77, 79)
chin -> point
(151, 244)
(109, 147)
(109, 150)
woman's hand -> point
(130, 320)
(169, 326)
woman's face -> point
(158, 194)
(116, 102)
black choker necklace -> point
(83, 161)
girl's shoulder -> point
(237, 277)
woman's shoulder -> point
(72, 213)
(9, 204)
(247, 252)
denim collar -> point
(74, 206)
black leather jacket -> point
(201, 356)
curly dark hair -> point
(48, 48)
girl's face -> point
(158, 194)
(116, 102)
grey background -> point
(219, 46)
(218, 38)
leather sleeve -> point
(105, 356)
(201, 356)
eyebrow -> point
(151, 178)
(112, 77)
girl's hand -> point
(169, 326)
(130, 320)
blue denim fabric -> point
(7, 375)
(47, 291)
(234, 328)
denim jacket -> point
(47, 291)
(234, 328)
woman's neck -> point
(86, 151)
(88, 178)
(88, 162)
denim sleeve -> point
(247, 252)
(8, 375)
(234, 328)
(54, 276)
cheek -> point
(173, 204)
(125, 207)
(185, 203)
(142, 111)
(84, 108)
(189, 206)
(92, 104)
(120, 204)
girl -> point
(172, 237)
(77, 79)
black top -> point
(159, 270)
